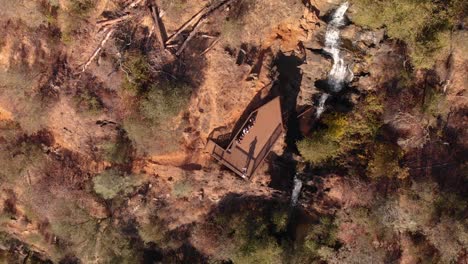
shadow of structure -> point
(261, 123)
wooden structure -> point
(252, 142)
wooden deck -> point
(245, 156)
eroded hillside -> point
(106, 108)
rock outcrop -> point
(316, 67)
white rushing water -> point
(321, 106)
(296, 191)
(339, 71)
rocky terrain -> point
(106, 107)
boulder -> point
(366, 83)
(315, 68)
(362, 38)
(314, 44)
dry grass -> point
(259, 20)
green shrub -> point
(137, 68)
(81, 7)
(153, 231)
(18, 159)
(322, 234)
(88, 101)
(246, 237)
(182, 188)
(385, 162)
(164, 101)
(152, 139)
(118, 151)
(435, 105)
(280, 220)
(111, 183)
(151, 129)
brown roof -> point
(245, 156)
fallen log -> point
(197, 16)
(98, 49)
(134, 4)
(202, 14)
(108, 22)
(157, 27)
(210, 47)
(196, 28)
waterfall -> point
(321, 106)
(339, 71)
(296, 190)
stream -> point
(296, 191)
(337, 78)
(339, 73)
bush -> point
(321, 235)
(19, 159)
(153, 231)
(385, 162)
(111, 183)
(152, 131)
(88, 101)
(435, 106)
(138, 73)
(152, 139)
(118, 151)
(81, 7)
(182, 188)
(164, 101)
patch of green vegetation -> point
(435, 105)
(138, 72)
(118, 152)
(151, 139)
(343, 132)
(251, 242)
(92, 239)
(260, 234)
(321, 238)
(81, 8)
(111, 183)
(160, 101)
(385, 162)
(50, 11)
(366, 228)
(280, 220)
(182, 188)
(153, 231)
(18, 158)
(164, 101)
(89, 102)
(73, 19)
(424, 25)
(151, 128)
